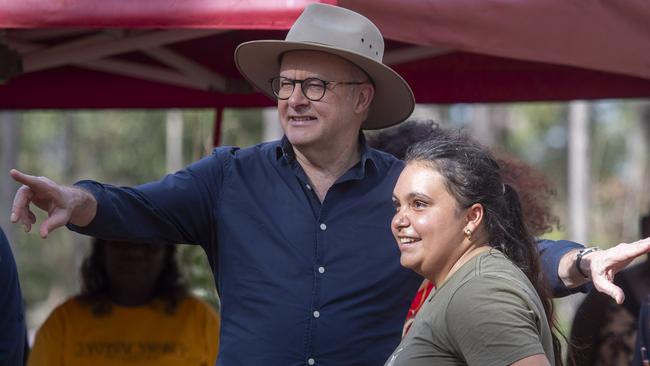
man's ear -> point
(365, 96)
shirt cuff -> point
(98, 222)
(551, 253)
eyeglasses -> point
(312, 88)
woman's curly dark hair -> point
(95, 283)
(535, 191)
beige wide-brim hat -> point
(340, 32)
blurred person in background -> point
(133, 309)
(641, 357)
(604, 332)
(12, 312)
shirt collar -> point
(284, 149)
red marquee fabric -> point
(484, 51)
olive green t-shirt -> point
(486, 313)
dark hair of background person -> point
(472, 175)
(95, 283)
(535, 191)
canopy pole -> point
(216, 132)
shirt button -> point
(323, 227)
(316, 314)
(308, 186)
(311, 361)
(321, 269)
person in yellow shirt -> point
(133, 309)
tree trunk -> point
(579, 182)
(174, 141)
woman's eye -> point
(419, 204)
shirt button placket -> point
(316, 313)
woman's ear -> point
(474, 217)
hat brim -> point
(259, 61)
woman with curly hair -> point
(459, 224)
(133, 309)
(535, 191)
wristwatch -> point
(581, 253)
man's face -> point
(334, 118)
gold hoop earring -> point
(468, 233)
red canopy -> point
(169, 53)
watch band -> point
(581, 253)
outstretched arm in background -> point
(601, 266)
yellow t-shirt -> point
(138, 336)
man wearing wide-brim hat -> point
(297, 231)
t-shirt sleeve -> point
(492, 322)
(179, 208)
(48, 343)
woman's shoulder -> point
(194, 303)
(69, 312)
(494, 265)
(485, 267)
(494, 278)
(70, 305)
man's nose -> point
(297, 97)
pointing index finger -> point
(26, 179)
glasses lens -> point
(313, 88)
(282, 87)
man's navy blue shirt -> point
(301, 282)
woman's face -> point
(428, 224)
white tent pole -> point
(174, 140)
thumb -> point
(607, 287)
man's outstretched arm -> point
(600, 267)
(63, 204)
